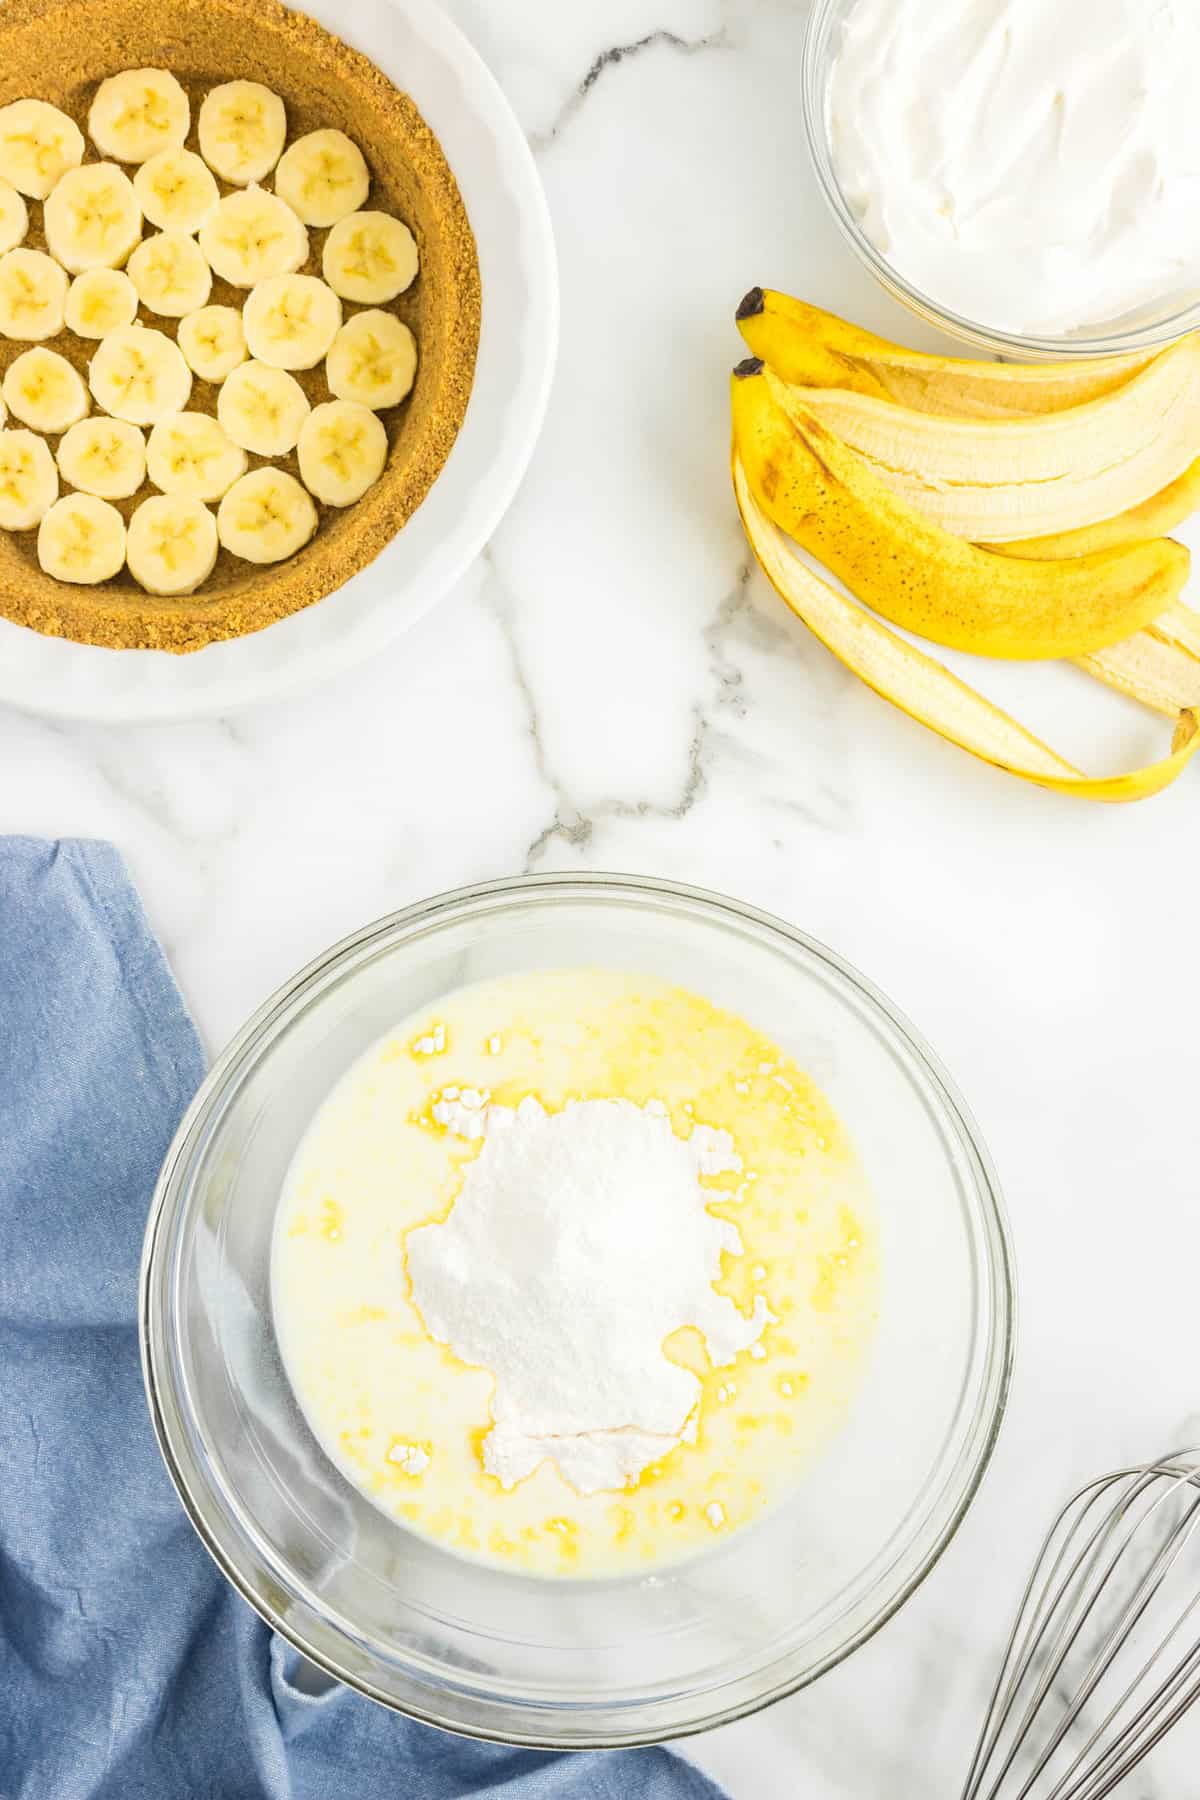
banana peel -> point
(813, 348)
(1156, 517)
(1159, 666)
(991, 480)
(928, 692)
(818, 490)
(1159, 675)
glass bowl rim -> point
(1031, 347)
(980, 1435)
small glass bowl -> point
(1153, 330)
(563, 1663)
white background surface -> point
(608, 689)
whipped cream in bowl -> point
(1025, 176)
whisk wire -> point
(1094, 1595)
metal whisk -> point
(1104, 1656)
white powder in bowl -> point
(580, 1241)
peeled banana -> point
(137, 114)
(81, 539)
(252, 235)
(1154, 517)
(44, 390)
(262, 409)
(242, 129)
(170, 274)
(929, 693)
(38, 144)
(291, 320)
(373, 359)
(33, 295)
(139, 375)
(190, 455)
(176, 191)
(28, 480)
(213, 341)
(172, 544)
(817, 349)
(1016, 478)
(370, 257)
(105, 457)
(323, 177)
(342, 450)
(820, 491)
(266, 516)
(100, 300)
(92, 219)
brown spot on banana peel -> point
(921, 578)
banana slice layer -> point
(266, 516)
(105, 457)
(81, 540)
(44, 390)
(28, 480)
(139, 375)
(100, 301)
(93, 218)
(172, 544)
(137, 114)
(291, 320)
(190, 455)
(213, 341)
(243, 127)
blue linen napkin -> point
(129, 1669)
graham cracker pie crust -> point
(60, 50)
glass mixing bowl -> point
(601, 1662)
(1154, 326)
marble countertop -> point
(610, 688)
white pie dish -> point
(415, 44)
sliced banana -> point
(373, 360)
(262, 409)
(14, 217)
(172, 544)
(370, 257)
(105, 457)
(37, 145)
(342, 450)
(291, 320)
(191, 455)
(100, 301)
(92, 218)
(140, 376)
(176, 190)
(323, 177)
(251, 236)
(81, 539)
(213, 341)
(243, 128)
(33, 295)
(137, 114)
(28, 480)
(170, 274)
(43, 390)
(266, 516)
